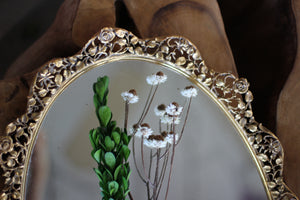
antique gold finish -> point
(230, 93)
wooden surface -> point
(262, 35)
(263, 40)
(56, 42)
(288, 121)
(90, 16)
(200, 21)
(71, 28)
(13, 93)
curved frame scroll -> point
(110, 44)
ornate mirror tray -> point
(221, 151)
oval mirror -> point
(190, 132)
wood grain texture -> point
(74, 24)
(263, 40)
(91, 16)
(200, 21)
(288, 121)
(56, 42)
(13, 93)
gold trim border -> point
(231, 94)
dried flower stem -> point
(156, 175)
(126, 114)
(142, 153)
(166, 151)
(185, 120)
(164, 169)
(160, 125)
(149, 104)
(130, 196)
(149, 174)
(148, 98)
(172, 160)
(134, 159)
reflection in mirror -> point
(211, 160)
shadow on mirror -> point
(211, 160)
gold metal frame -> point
(111, 44)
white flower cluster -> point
(157, 78)
(168, 115)
(160, 141)
(166, 119)
(160, 110)
(189, 91)
(153, 141)
(130, 96)
(143, 130)
(173, 109)
(155, 144)
(164, 113)
(170, 138)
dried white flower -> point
(166, 119)
(151, 80)
(189, 91)
(132, 131)
(170, 138)
(143, 130)
(174, 109)
(160, 110)
(155, 141)
(157, 78)
(130, 96)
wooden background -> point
(255, 39)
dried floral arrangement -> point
(110, 143)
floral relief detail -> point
(241, 86)
(274, 148)
(107, 35)
(111, 42)
(6, 144)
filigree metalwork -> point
(111, 43)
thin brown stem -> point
(165, 162)
(142, 154)
(149, 174)
(185, 120)
(134, 159)
(126, 114)
(150, 167)
(156, 175)
(172, 160)
(148, 191)
(159, 125)
(130, 196)
(149, 104)
(148, 98)
(162, 176)
(166, 151)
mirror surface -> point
(211, 161)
